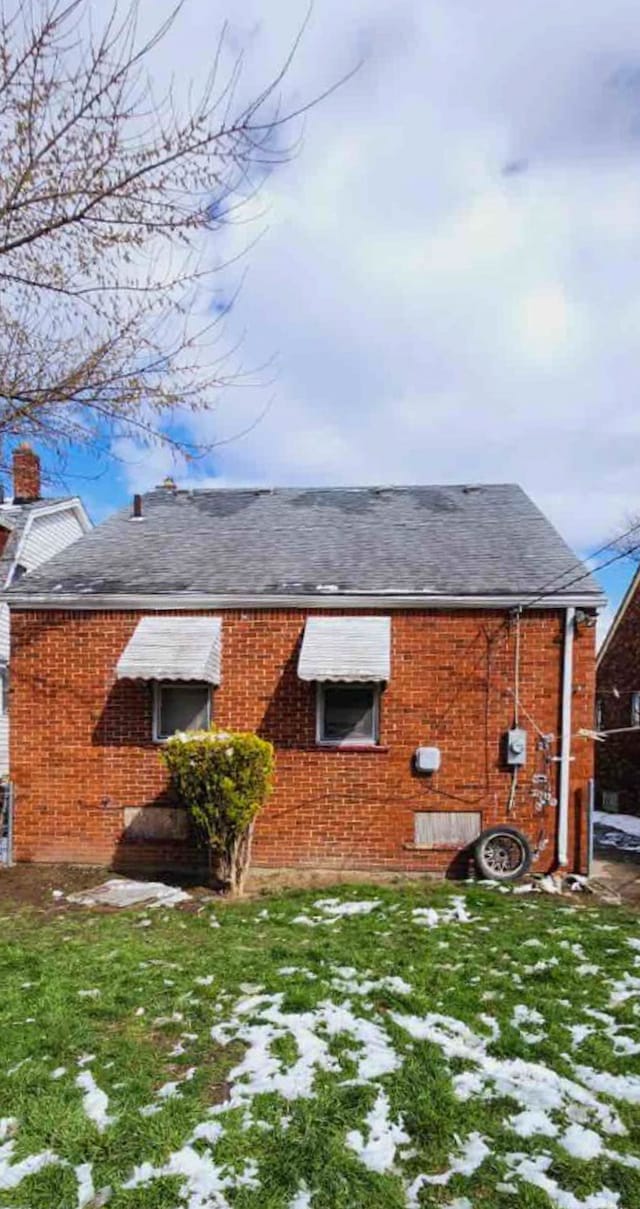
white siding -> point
(47, 536)
(4, 633)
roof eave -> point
(203, 600)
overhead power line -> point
(560, 575)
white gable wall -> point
(48, 534)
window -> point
(18, 571)
(599, 713)
(180, 707)
(347, 713)
(635, 709)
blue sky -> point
(447, 280)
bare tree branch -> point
(106, 195)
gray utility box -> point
(427, 759)
(516, 747)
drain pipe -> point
(565, 739)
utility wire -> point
(528, 604)
(542, 592)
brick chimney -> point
(26, 475)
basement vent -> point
(610, 801)
(454, 828)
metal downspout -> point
(565, 739)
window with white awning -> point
(347, 649)
(181, 657)
(350, 660)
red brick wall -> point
(618, 758)
(81, 748)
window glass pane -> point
(183, 707)
(635, 709)
(348, 712)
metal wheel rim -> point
(503, 854)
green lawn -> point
(438, 1046)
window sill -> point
(368, 748)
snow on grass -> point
(12, 1174)
(377, 1144)
(618, 1087)
(203, 1180)
(532, 1085)
(471, 1155)
(302, 1199)
(262, 1070)
(94, 1101)
(353, 1061)
(534, 1171)
(86, 1190)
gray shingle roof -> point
(455, 540)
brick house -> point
(348, 626)
(618, 708)
(33, 529)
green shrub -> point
(223, 779)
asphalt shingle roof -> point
(451, 540)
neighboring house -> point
(618, 708)
(32, 529)
(348, 626)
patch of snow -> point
(525, 1015)
(86, 1190)
(618, 1087)
(627, 987)
(628, 823)
(260, 1070)
(58, 1072)
(8, 1126)
(472, 1153)
(350, 982)
(335, 908)
(532, 1085)
(12, 1174)
(302, 1199)
(383, 1137)
(534, 1171)
(204, 1181)
(533, 1121)
(94, 1101)
(582, 1143)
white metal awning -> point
(173, 648)
(346, 648)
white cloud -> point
(449, 275)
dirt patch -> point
(34, 885)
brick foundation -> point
(82, 753)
